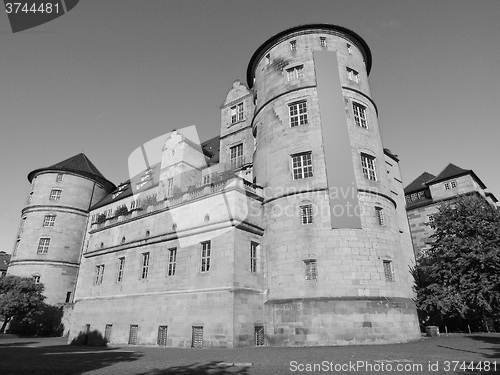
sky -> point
(111, 75)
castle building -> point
(289, 228)
(427, 192)
(50, 235)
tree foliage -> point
(18, 296)
(459, 276)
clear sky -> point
(111, 75)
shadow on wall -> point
(91, 338)
(45, 321)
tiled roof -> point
(212, 146)
(419, 183)
(451, 171)
(79, 164)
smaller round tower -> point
(53, 223)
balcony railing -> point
(178, 200)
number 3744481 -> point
(24, 7)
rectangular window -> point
(359, 115)
(352, 75)
(145, 266)
(388, 271)
(207, 179)
(253, 256)
(162, 335)
(55, 195)
(298, 114)
(68, 297)
(322, 41)
(205, 256)
(236, 156)
(368, 166)
(236, 113)
(293, 45)
(59, 177)
(36, 279)
(99, 274)
(306, 216)
(380, 215)
(49, 220)
(121, 268)
(258, 335)
(431, 219)
(43, 246)
(447, 186)
(107, 332)
(310, 270)
(172, 259)
(197, 337)
(132, 337)
(302, 166)
(453, 184)
(294, 73)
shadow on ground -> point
(19, 358)
(493, 340)
(212, 368)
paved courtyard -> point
(443, 355)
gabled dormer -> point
(182, 161)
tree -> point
(18, 296)
(458, 276)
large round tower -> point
(53, 223)
(337, 252)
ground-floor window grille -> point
(107, 332)
(132, 337)
(259, 335)
(197, 340)
(162, 335)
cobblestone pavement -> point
(429, 356)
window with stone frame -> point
(55, 194)
(236, 156)
(352, 75)
(237, 113)
(388, 271)
(99, 274)
(43, 245)
(172, 260)
(379, 212)
(298, 113)
(368, 167)
(253, 256)
(360, 115)
(205, 256)
(121, 269)
(294, 73)
(144, 266)
(306, 214)
(310, 269)
(302, 165)
(49, 220)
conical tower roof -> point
(79, 164)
